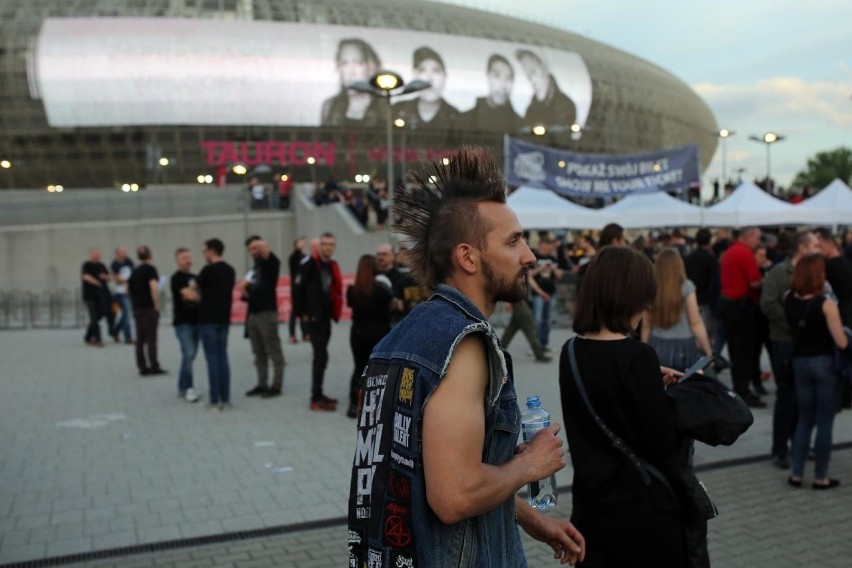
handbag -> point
(684, 486)
(708, 411)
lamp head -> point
(386, 81)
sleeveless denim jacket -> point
(390, 521)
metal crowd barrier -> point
(49, 309)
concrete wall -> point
(47, 256)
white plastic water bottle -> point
(542, 492)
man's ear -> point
(466, 258)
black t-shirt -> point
(625, 387)
(184, 312)
(808, 326)
(295, 260)
(264, 282)
(838, 272)
(216, 283)
(405, 288)
(139, 285)
(546, 279)
(700, 268)
(95, 269)
(372, 312)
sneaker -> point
(352, 411)
(191, 395)
(270, 393)
(323, 406)
(211, 406)
(225, 406)
(753, 401)
(256, 391)
(327, 399)
(157, 372)
(781, 462)
(544, 359)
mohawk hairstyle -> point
(439, 211)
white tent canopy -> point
(541, 208)
(831, 206)
(655, 209)
(750, 205)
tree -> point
(824, 167)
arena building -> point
(99, 93)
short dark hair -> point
(703, 237)
(611, 233)
(180, 250)
(497, 58)
(825, 235)
(440, 210)
(808, 275)
(253, 238)
(421, 54)
(521, 53)
(619, 284)
(215, 245)
(328, 235)
(143, 252)
(802, 238)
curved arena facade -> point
(99, 93)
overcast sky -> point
(782, 66)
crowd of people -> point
(383, 293)
(432, 389)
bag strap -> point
(645, 469)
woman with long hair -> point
(625, 522)
(356, 61)
(816, 327)
(370, 298)
(673, 324)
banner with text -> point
(600, 175)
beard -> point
(503, 289)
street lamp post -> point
(768, 139)
(389, 84)
(724, 134)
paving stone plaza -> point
(95, 458)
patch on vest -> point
(374, 558)
(403, 559)
(397, 530)
(407, 383)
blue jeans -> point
(541, 313)
(214, 340)
(187, 335)
(123, 323)
(816, 392)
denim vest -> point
(390, 522)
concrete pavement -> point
(95, 457)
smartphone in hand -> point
(699, 365)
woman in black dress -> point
(625, 523)
(370, 299)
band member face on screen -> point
(428, 66)
(355, 63)
(501, 79)
(537, 73)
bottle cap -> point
(533, 402)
